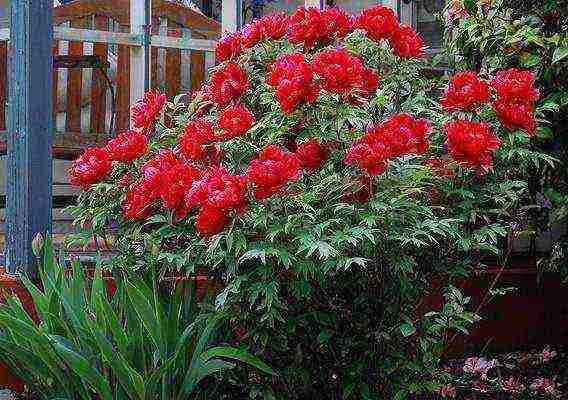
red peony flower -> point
(127, 146)
(93, 166)
(515, 101)
(175, 183)
(272, 171)
(378, 22)
(227, 84)
(312, 26)
(228, 47)
(342, 72)
(516, 115)
(235, 121)
(515, 85)
(145, 111)
(465, 92)
(398, 136)
(153, 172)
(292, 76)
(368, 155)
(290, 67)
(138, 204)
(197, 136)
(406, 43)
(312, 154)
(219, 188)
(471, 144)
(210, 220)
(339, 23)
(269, 27)
(402, 134)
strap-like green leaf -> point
(237, 355)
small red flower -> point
(228, 47)
(342, 72)
(516, 115)
(93, 166)
(465, 92)
(406, 43)
(210, 220)
(197, 136)
(145, 111)
(378, 22)
(272, 171)
(312, 154)
(235, 121)
(339, 23)
(153, 172)
(515, 85)
(471, 144)
(127, 146)
(228, 83)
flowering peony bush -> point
(320, 182)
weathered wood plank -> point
(30, 131)
(98, 84)
(123, 88)
(173, 66)
(74, 85)
(197, 60)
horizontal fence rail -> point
(128, 39)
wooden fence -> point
(84, 106)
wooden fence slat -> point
(98, 84)
(123, 88)
(3, 82)
(173, 66)
(154, 55)
(74, 84)
(197, 59)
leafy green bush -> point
(533, 35)
(136, 344)
(330, 208)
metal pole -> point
(30, 131)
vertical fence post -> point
(139, 55)
(231, 15)
(314, 3)
(30, 130)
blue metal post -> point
(30, 130)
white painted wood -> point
(86, 35)
(137, 57)
(229, 15)
(313, 3)
(183, 43)
(408, 14)
(392, 4)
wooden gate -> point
(84, 107)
